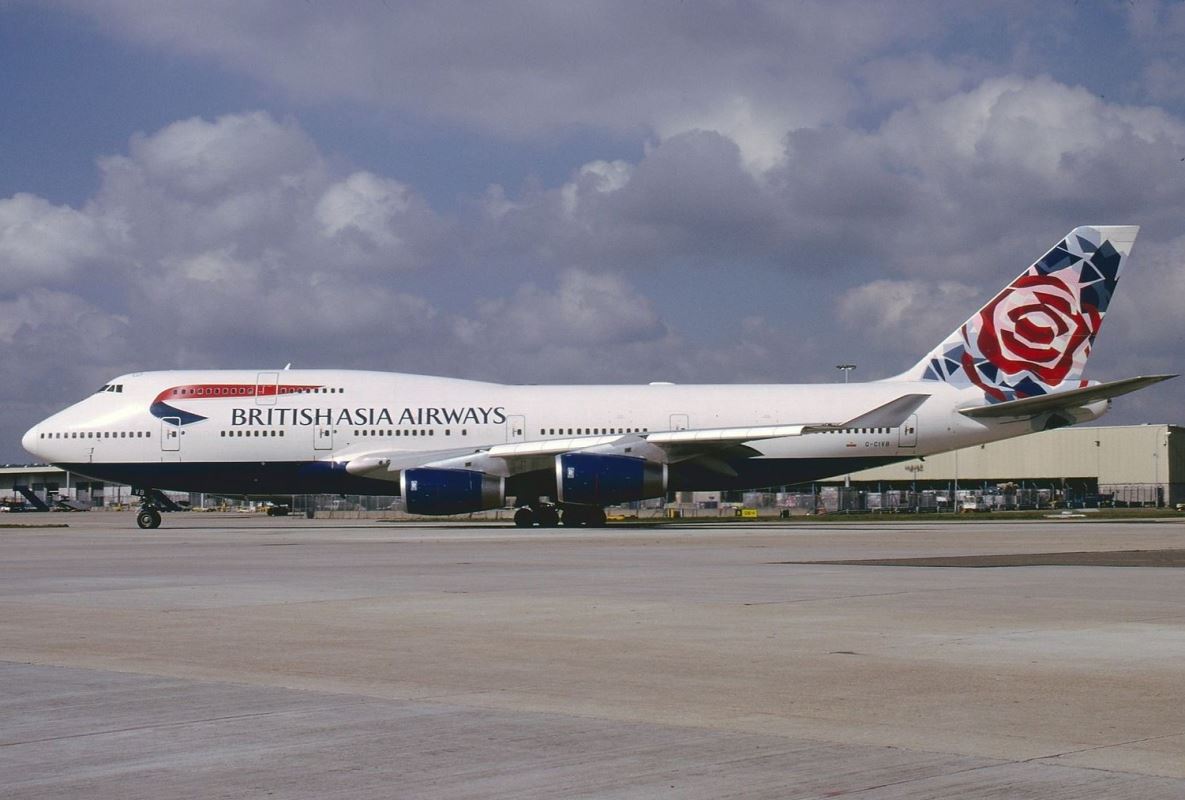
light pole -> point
(846, 369)
(915, 469)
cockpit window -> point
(111, 387)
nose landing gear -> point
(152, 502)
(148, 517)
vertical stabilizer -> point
(1034, 337)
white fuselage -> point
(243, 431)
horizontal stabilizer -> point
(1028, 406)
(890, 415)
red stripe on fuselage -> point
(208, 391)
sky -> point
(571, 192)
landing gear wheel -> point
(148, 518)
(548, 517)
(524, 518)
(596, 518)
(575, 517)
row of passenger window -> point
(240, 433)
(400, 432)
(95, 435)
(589, 431)
(856, 431)
(240, 391)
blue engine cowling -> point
(601, 480)
(450, 491)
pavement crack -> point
(1103, 747)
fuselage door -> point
(323, 436)
(170, 433)
(516, 428)
(680, 422)
(908, 436)
(266, 388)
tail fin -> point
(1034, 337)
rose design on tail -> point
(1038, 328)
(1035, 336)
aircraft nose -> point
(29, 441)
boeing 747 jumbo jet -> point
(565, 452)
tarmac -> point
(239, 656)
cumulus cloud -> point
(522, 70)
(976, 184)
(911, 313)
(196, 158)
(44, 243)
(210, 242)
(585, 310)
(54, 346)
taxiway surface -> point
(240, 657)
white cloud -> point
(585, 310)
(44, 243)
(895, 80)
(600, 177)
(522, 70)
(196, 157)
(910, 313)
(57, 346)
(364, 202)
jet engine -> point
(602, 479)
(427, 490)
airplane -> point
(562, 454)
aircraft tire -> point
(548, 517)
(524, 518)
(148, 518)
(596, 518)
(574, 517)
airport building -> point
(1123, 465)
(1126, 465)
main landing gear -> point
(546, 515)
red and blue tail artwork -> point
(1034, 337)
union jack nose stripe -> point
(163, 406)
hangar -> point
(1123, 464)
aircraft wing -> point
(1072, 398)
(661, 446)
